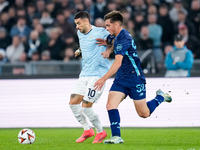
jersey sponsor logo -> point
(119, 47)
(91, 37)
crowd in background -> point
(41, 30)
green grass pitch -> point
(134, 138)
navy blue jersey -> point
(130, 67)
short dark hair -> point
(114, 16)
(82, 15)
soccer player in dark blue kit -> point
(129, 80)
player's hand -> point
(101, 41)
(105, 54)
(99, 84)
(77, 53)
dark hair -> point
(82, 15)
(114, 16)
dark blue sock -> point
(154, 103)
(114, 122)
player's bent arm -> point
(110, 48)
(113, 69)
(115, 66)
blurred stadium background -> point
(49, 26)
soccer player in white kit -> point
(94, 66)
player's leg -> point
(76, 108)
(94, 119)
(160, 97)
(75, 101)
(114, 99)
(145, 109)
(141, 108)
(80, 116)
(91, 96)
(88, 132)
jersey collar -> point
(90, 30)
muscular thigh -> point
(114, 99)
(141, 106)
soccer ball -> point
(26, 136)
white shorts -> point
(85, 86)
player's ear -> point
(116, 25)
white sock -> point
(78, 113)
(94, 119)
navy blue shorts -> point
(136, 90)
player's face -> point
(110, 27)
(81, 24)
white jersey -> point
(93, 63)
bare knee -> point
(143, 114)
(109, 106)
(71, 103)
(75, 99)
